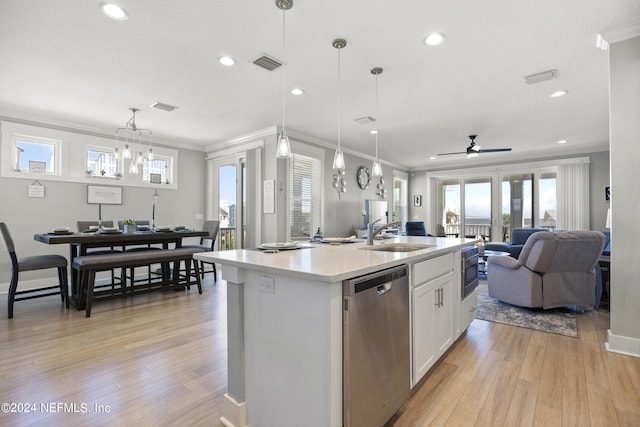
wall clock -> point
(363, 177)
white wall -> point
(624, 335)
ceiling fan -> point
(473, 149)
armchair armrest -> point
(505, 261)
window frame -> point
(317, 154)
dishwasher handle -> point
(383, 289)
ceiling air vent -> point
(165, 107)
(364, 120)
(267, 63)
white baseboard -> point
(234, 413)
(623, 345)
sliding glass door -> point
(491, 206)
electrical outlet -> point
(267, 285)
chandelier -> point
(132, 134)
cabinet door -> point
(445, 313)
(468, 309)
(424, 351)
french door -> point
(228, 201)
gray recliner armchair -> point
(553, 270)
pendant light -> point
(338, 158)
(376, 170)
(283, 148)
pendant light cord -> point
(283, 63)
(377, 128)
(339, 99)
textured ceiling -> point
(66, 63)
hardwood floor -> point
(160, 359)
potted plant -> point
(129, 225)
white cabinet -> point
(432, 304)
(469, 309)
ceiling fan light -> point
(471, 153)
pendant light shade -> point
(283, 148)
(338, 158)
(376, 170)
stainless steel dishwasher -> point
(376, 372)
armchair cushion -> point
(553, 270)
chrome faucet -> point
(372, 234)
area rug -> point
(560, 321)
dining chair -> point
(85, 226)
(32, 263)
(148, 247)
(207, 243)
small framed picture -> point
(417, 200)
(155, 178)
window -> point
(305, 196)
(159, 166)
(36, 155)
(102, 163)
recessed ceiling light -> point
(434, 39)
(562, 141)
(558, 93)
(373, 132)
(114, 11)
(296, 91)
(433, 157)
(226, 60)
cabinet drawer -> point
(430, 269)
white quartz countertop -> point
(333, 263)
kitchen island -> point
(285, 315)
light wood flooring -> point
(160, 359)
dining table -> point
(80, 242)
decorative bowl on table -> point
(163, 229)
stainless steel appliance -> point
(470, 278)
(376, 371)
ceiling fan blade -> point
(447, 154)
(494, 150)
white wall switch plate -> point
(200, 216)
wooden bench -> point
(88, 265)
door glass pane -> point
(547, 213)
(517, 203)
(227, 206)
(477, 208)
(244, 205)
(400, 212)
(448, 207)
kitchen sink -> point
(397, 247)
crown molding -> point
(621, 33)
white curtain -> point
(573, 196)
